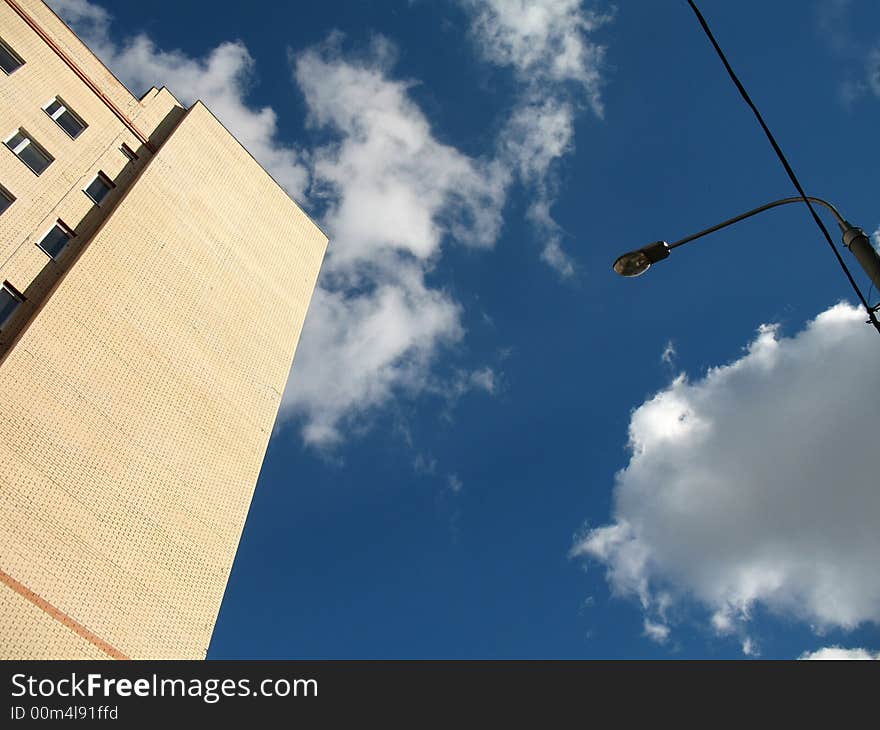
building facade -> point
(155, 280)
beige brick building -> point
(155, 281)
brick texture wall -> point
(141, 381)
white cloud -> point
(872, 71)
(90, 21)
(536, 134)
(833, 19)
(552, 252)
(455, 484)
(836, 21)
(547, 45)
(866, 82)
(838, 653)
(393, 188)
(669, 354)
(424, 464)
(358, 349)
(484, 379)
(543, 40)
(756, 485)
(394, 196)
(656, 631)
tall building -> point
(155, 280)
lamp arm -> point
(776, 203)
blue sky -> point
(490, 445)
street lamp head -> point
(636, 263)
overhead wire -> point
(872, 318)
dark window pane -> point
(8, 304)
(55, 241)
(70, 124)
(64, 117)
(34, 158)
(8, 60)
(5, 200)
(98, 189)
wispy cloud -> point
(655, 631)
(394, 197)
(836, 21)
(545, 41)
(549, 48)
(455, 484)
(669, 354)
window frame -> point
(64, 107)
(17, 296)
(66, 229)
(12, 52)
(30, 141)
(111, 186)
(10, 198)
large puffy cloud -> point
(756, 485)
(547, 45)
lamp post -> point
(636, 263)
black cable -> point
(745, 95)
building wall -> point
(141, 385)
(57, 193)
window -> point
(128, 152)
(55, 240)
(9, 59)
(29, 152)
(65, 117)
(6, 199)
(10, 299)
(99, 188)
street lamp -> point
(636, 263)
